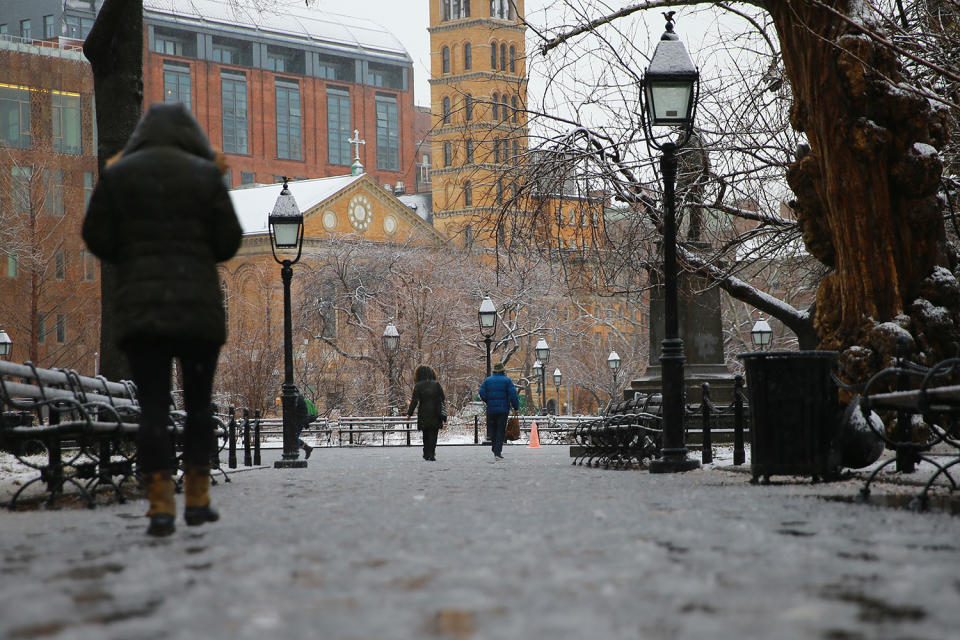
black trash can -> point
(793, 413)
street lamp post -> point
(6, 344)
(538, 373)
(613, 361)
(286, 232)
(557, 379)
(543, 355)
(760, 333)
(670, 87)
(487, 315)
(391, 343)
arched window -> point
(513, 59)
(447, 154)
(496, 106)
(467, 57)
(504, 115)
(469, 146)
(468, 108)
(445, 54)
(500, 191)
(503, 57)
(516, 151)
(493, 56)
(496, 150)
(467, 194)
(515, 103)
(446, 111)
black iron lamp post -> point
(286, 232)
(543, 355)
(5, 344)
(487, 315)
(613, 361)
(760, 333)
(391, 343)
(538, 373)
(670, 90)
(557, 379)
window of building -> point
(445, 58)
(446, 111)
(516, 151)
(14, 116)
(53, 191)
(66, 123)
(496, 106)
(504, 108)
(502, 9)
(447, 154)
(228, 178)
(88, 266)
(11, 265)
(468, 108)
(285, 60)
(78, 27)
(388, 133)
(61, 328)
(60, 263)
(496, 149)
(454, 9)
(20, 188)
(467, 194)
(4, 31)
(48, 27)
(493, 56)
(247, 177)
(515, 104)
(500, 191)
(386, 76)
(503, 57)
(337, 68)
(41, 328)
(469, 147)
(174, 42)
(338, 126)
(288, 120)
(231, 51)
(233, 96)
(87, 188)
(26, 32)
(513, 59)
(467, 57)
(176, 84)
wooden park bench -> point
(86, 426)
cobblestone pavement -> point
(379, 544)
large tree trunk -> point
(115, 51)
(866, 191)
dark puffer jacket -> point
(162, 215)
(428, 394)
(499, 392)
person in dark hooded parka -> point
(428, 394)
(162, 215)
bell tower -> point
(478, 91)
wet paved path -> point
(378, 544)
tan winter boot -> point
(163, 509)
(196, 490)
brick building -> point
(279, 93)
(49, 283)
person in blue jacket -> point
(500, 394)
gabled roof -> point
(254, 203)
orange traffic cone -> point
(534, 436)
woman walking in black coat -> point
(161, 214)
(428, 394)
